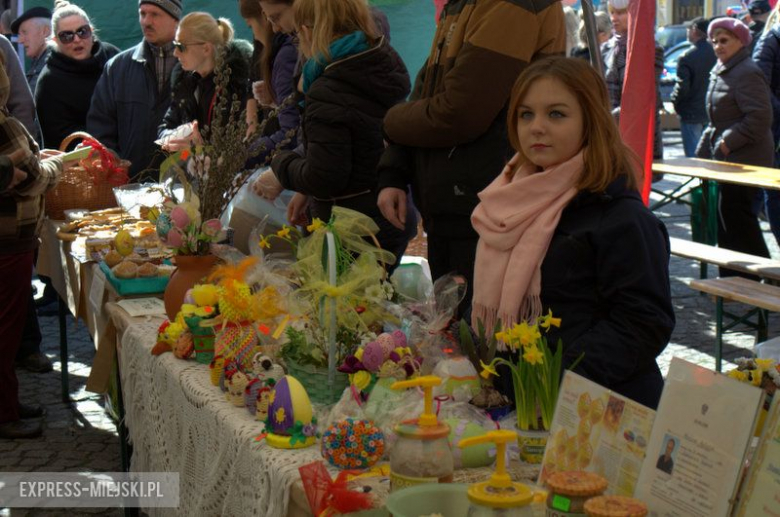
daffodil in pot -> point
(536, 374)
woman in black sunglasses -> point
(199, 41)
(66, 83)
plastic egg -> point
(175, 238)
(387, 342)
(353, 444)
(482, 455)
(289, 403)
(179, 217)
(458, 374)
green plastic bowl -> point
(447, 499)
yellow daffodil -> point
(359, 354)
(360, 379)
(315, 225)
(547, 321)
(525, 334)
(502, 336)
(264, 242)
(487, 370)
(533, 355)
(284, 233)
(738, 375)
(765, 364)
(756, 376)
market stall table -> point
(179, 422)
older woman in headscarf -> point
(739, 131)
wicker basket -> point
(315, 380)
(82, 186)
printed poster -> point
(695, 456)
(597, 430)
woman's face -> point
(725, 44)
(619, 19)
(194, 55)
(550, 124)
(261, 29)
(74, 37)
(280, 15)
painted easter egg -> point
(179, 217)
(458, 373)
(373, 356)
(387, 342)
(482, 455)
(289, 403)
(164, 225)
(124, 243)
(353, 444)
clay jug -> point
(190, 270)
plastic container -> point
(499, 496)
(422, 451)
(768, 349)
(448, 499)
(570, 490)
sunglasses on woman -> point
(182, 47)
(83, 32)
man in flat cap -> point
(34, 29)
(134, 91)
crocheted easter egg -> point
(289, 404)
(387, 342)
(399, 338)
(373, 356)
(164, 225)
(458, 373)
(482, 455)
(353, 444)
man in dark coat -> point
(134, 93)
(759, 12)
(693, 77)
(34, 29)
(449, 141)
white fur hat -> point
(619, 4)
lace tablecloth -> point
(179, 422)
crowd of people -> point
(508, 150)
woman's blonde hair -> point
(605, 155)
(64, 9)
(332, 19)
(204, 27)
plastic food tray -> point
(129, 286)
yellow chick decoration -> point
(124, 243)
(205, 295)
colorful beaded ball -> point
(353, 444)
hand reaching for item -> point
(191, 138)
(267, 186)
(262, 95)
(296, 210)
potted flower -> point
(536, 373)
(480, 348)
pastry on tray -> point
(146, 270)
(112, 258)
(125, 269)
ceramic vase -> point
(190, 270)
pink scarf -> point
(515, 220)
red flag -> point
(637, 107)
(439, 6)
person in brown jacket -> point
(24, 178)
(449, 140)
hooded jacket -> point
(451, 136)
(693, 76)
(64, 91)
(342, 128)
(194, 97)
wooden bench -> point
(762, 297)
(760, 266)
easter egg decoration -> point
(482, 455)
(124, 243)
(290, 423)
(164, 225)
(353, 444)
(460, 377)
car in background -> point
(669, 73)
(669, 36)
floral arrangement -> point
(480, 348)
(388, 356)
(535, 368)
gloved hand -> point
(267, 186)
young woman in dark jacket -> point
(65, 86)
(350, 81)
(563, 229)
(199, 39)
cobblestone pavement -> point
(80, 437)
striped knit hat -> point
(172, 7)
